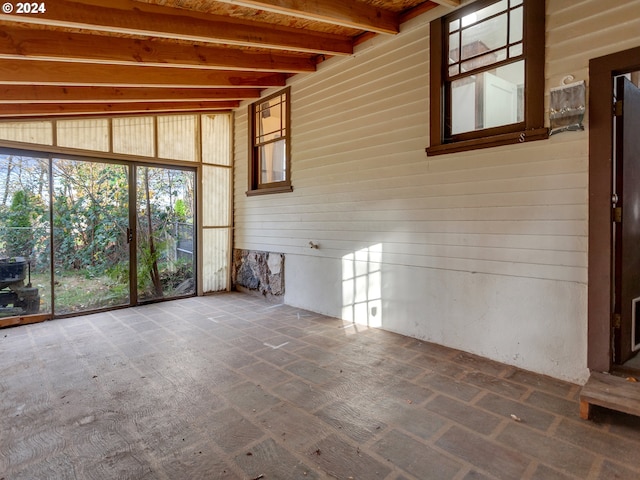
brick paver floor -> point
(231, 387)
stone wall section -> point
(259, 272)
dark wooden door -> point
(627, 226)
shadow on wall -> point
(362, 286)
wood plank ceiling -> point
(97, 57)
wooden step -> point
(610, 391)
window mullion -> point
(486, 68)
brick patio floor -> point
(231, 387)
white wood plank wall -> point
(513, 218)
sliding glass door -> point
(25, 248)
(165, 206)
(90, 235)
(80, 235)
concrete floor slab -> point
(231, 387)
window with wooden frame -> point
(269, 144)
(487, 76)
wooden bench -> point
(610, 391)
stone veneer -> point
(259, 272)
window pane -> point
(485, 12)
(25, 241)
(489, 99)
(273, 162)
(463, 105)
(515, 28)
(484, 37)
(455, 25)
(454, 48)
(270, 119)
(515, 51)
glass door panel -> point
(165, 232)
(90, 235)
(25, 267)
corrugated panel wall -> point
(216, 200)
(215, 129)
(38, 133)
(361, 176)
(177, 137)
(86, 134)
(215, 259)
(133, 135)
(216, 182)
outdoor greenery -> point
(25, 210)
(91, 225)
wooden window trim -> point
(533, 126)
(255, 187)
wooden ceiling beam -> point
(144, 19)
(337, 12)
(53, 94)
(36, 44)
(448, 3)
(36, 72)
(40, 110)
(417, 10)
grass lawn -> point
(76, 293)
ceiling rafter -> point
(338, 12)
(38, 110)
(138, 18)
(20, 42)
(42, 94)
(417, 10)
(448, 3)
(93, 57)
(63, 73)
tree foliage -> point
(90, 213)
(20, 237)
(24, 211)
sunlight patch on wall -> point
(362, 286)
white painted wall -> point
(484, 251)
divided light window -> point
(487, 75)
(269, 138)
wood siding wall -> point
(492, 242)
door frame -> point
(600, 271)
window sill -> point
(269, 190)
(487, 142)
